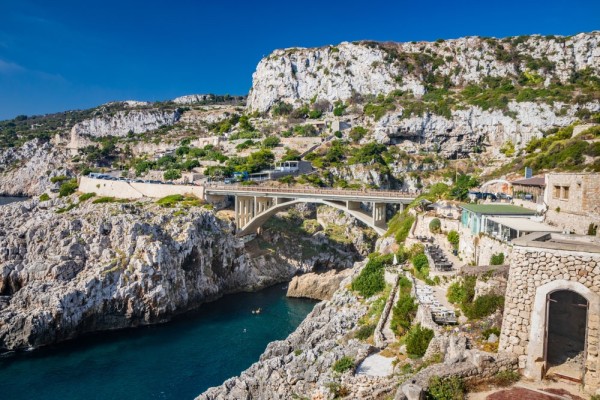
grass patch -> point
(67, 208)
(399, 226)
(179, 199)
(343, 364)
(86, 196)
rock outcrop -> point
(319, 286)
(297, 75)
(27, 170)
(354, 71)
(67, 268)
(301, 365)
(121, 123)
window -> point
(565, 193)
(556, 193)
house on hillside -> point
(530, 188)
(573, 201)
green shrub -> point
(343, 364)
(462, 292)
(405, 309)
(60, 178)
(486, 333)
(172, 174)
(67, 208)
(86, 196)
(104, 199)
(44, 197)
(271, 141)
(417, 340)
(497, 259)
(435, 225)
(69, 187)
(420, 262)
(449, 388)
(399, 226)
(371, 279)
(364, 332)
(505, 378)
(483, 306)
(453, 238)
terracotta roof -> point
(535, 181)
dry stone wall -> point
(534, 273)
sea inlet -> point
(176, 360)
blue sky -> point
(68, 54)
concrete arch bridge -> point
(255, 205)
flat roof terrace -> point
(559, 241)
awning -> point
(524, 224)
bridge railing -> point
(341, 192)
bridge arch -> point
(259, 219)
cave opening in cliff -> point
(566, 334)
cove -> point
(176, 360)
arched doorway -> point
(565, 342)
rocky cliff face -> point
(27, 170)
(122, 123)
(338, 72)
(301, 365)
(436, 74)
(108, 266)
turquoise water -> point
(177, 360)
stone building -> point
(573, 201)
(552, 309)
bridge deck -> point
(380, 196)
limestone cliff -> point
(67, 268)
(120, 124)
(27, 170)
(338, 72)
(442, 73)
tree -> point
(259, 160)
(172, 174)
(291, 155)
(460, 189)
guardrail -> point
(338, 192)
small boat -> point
(257, 311)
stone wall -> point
(534, 274)
(478, 249)
(580, 208)
(570, 222)
(135, 190)
(489, 246)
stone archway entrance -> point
(565, 334)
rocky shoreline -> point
(69, 267)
